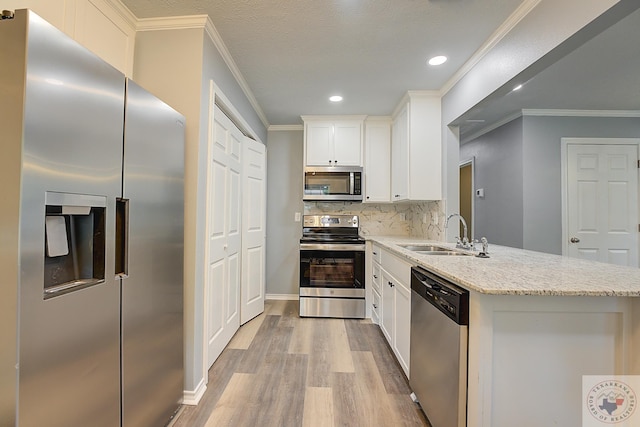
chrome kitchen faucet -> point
(464, 244)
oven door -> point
(332, 270)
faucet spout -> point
(465, 239)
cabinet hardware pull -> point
(391, 284)
(375, 277)
(375, 306)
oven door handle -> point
(331, 247)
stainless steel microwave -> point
(333, 183)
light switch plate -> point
(297, 217)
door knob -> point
(574, 240)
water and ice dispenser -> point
(74, 253)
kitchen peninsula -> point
(537, 324)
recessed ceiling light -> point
(335, 98)
(517, 87)
(438, 60)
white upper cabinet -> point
(377, 159)
(333, 141)
(104, 27)
(416, 148)
(400, 156)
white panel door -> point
(602, 203)
(254, 210)
(225, 235)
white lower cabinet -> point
(394, 309)
(402, 326)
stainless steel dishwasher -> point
(439, 335)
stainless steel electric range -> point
(331, 267)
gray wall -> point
(284, 199)
(517, 57)
(519, 166)
(498, 169)
(214, 68)
(542, 170)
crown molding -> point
(285, 128)
(581, 113)
(491, 127)
(123, 12)
(213, 34)
(172, 23)
(204, 22)
(504, 29)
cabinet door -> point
(388, 306)
(402, 326)
(347, 143)
(400, 157)
(375, 307)
(376, 276)
(319, 143)
(377, 165)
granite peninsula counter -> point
(538, 324)
(511, 271)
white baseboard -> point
(287, 297)
(192, 397)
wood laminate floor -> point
(285, 371)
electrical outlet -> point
(434, 218)
(403, 216)
(297, 217)
(424, 218)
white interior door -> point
(225, 237)
(602, 203)
(253, 230)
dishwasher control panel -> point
(447, 297)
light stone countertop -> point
(511, 271)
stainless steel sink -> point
(454, 253)
(425, 248)
(434, 250)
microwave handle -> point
(352, 182)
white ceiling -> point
(295, 53)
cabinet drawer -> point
(398, 268)
(376, 254)
(376, 277)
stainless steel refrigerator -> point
(91, 238)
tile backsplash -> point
(385, 219)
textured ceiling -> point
(295, 53)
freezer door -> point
(69, 343)
(152, 343)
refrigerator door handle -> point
(122, 238)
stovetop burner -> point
(331, 229)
